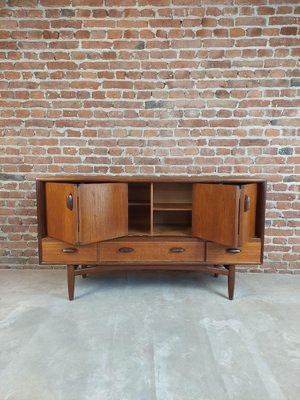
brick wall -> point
(149, 87)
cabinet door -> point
(215, 213)
(86, 213)
(225, 214)
(103, 211)
(248, 201)
(61, 211)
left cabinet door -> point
(61, 211)
(103, 211)
(86, 213)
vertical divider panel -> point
(151, 208)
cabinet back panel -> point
(139, 220)
(172, 193)
(173, 217)
(139, 192)
(172, 223)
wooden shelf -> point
(138, 231)
(172, 207)
(139, 203)
(172, 230)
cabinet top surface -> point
(140, 178)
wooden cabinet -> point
(95, 223)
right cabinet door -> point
(224, 213)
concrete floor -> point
(149, 336)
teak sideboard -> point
(105, 223)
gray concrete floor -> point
(149, 336)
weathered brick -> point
(154, 104)
(286, 151)
(295, 82)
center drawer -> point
(151, 251)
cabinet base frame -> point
(216, 270)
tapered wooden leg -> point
(84, 275)
(231, 279)
(71, 281)
(215, 275)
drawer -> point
(57, 252)
(151, 251)
(249, 253)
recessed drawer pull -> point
(69, 201)
(247, 203)
(126, 250)
(233, 251)
(177, 250)
(69, 250)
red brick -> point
(155, 3)
(129, 24)
(35, 24)
(8, 24)
(96, 44)
(288, 30)
(24, 3)
(82, 35)
(165, 23)
(284, 21)
(236, 32)
(249, 21)
(62, 65)
(285, 42)
(66, 23)
(64, 45)
(55, 3)
(8, 46)
(217, 43)
(120, 3)
(265, 10)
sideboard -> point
(108, 223)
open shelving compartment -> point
(139, 209)
(172, 209)
(160, 209)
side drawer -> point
(57, 252)
(249, 253)
(151, 251)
